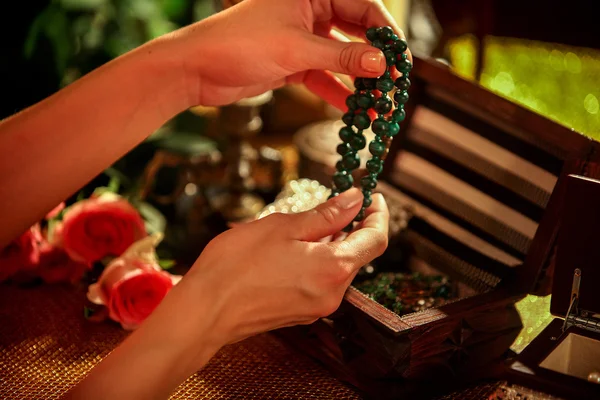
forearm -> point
(50, 150)
(171, 345)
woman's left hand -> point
(260, 45)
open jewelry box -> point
(565, 357)
(484, 181)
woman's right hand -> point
(276, 272)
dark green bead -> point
(351, 160)
(366, 100)
(374, 165)
(400, 46)
(351, 102)
(348, 118)
(333, 194)
(380, 127)
(358, 142)
(343, 148)
(394, 129)
(398, 115)
(370, 83)
(403, 66)
(442, 291)
(378, 44)
(360, 216)
(390, 57)
(383, 105)
(343, 180)
(348, 228)
(385, 84)
(372, 34)
(401, 96)
(395, 37)
(386, 33)
(368, 182)
(367, 200)
(346, 133)
(362, 120)
(404, 56)
(402, 83)
(339, 166)
(377, 148)
(359, 84)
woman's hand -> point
(276, 272)
(256, 277)
(263, 44)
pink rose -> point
(22, 254)
(98, 227)
(56, 265)
(133, 285)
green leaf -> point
(57, 29)
(167, 264)
(82, 5)
(114, 184)
(153, 219)
(80, 196)
(107, 260)
(100, 190)
(88, 312)
(34, 32)
(173, 9)
(115, 174)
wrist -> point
(160, 68)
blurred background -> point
(209, 167)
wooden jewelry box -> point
(483, 179)
(565, 358)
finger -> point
(328, 87)
(351, 29)
(327, 218)
(370, 241)
(340, 37)
(366, 14)
(350, 58)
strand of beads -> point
(357, 118)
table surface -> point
(47, 346)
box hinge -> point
(575, 316)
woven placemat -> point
(47, 346)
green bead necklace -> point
(357, 118)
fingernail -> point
(372, 61)
(349, 198)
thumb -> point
(327, 218)
(350, 58)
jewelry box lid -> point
(577, 267)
